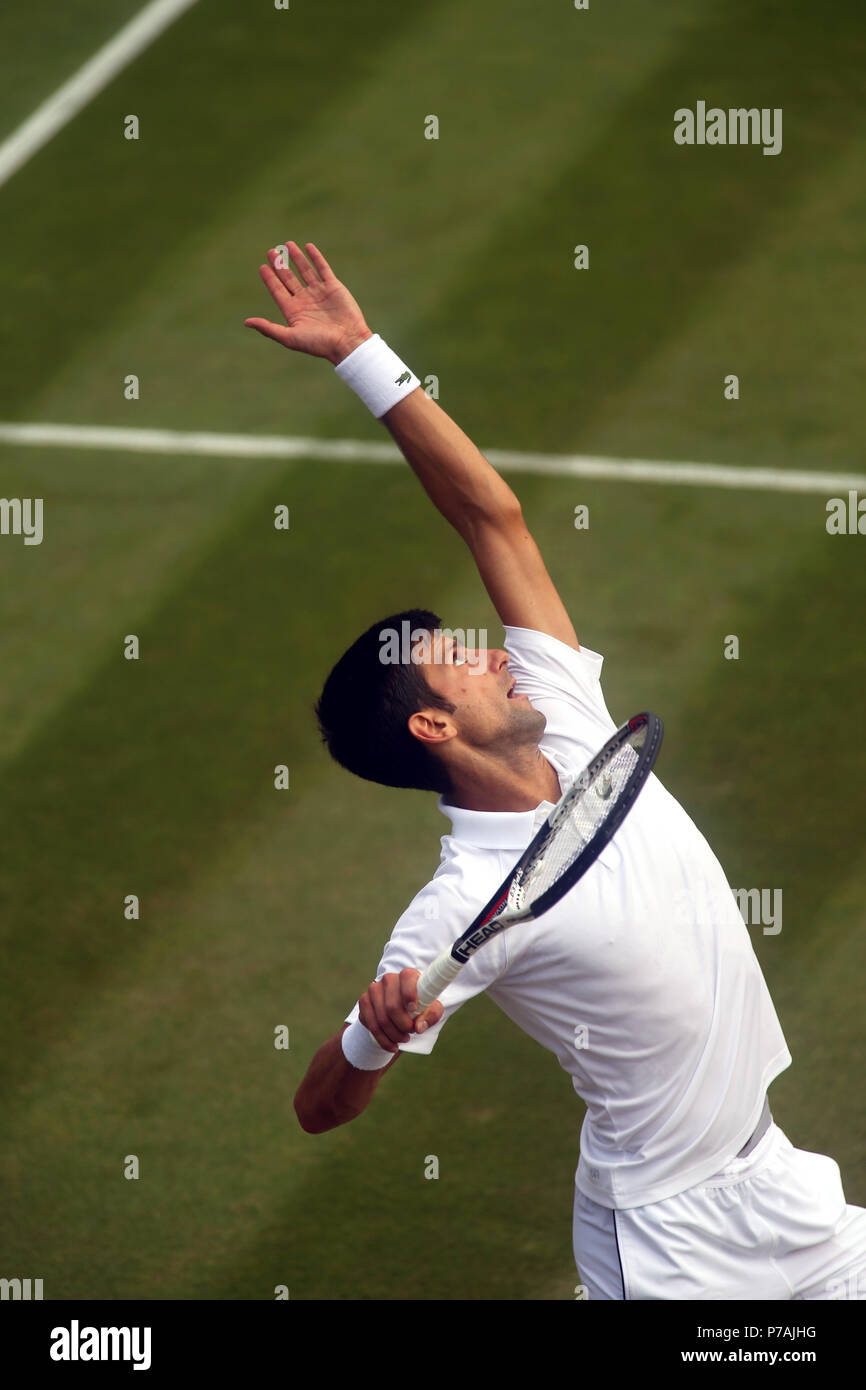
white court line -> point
(359, 451)
(96, 74)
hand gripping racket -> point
(583, 821)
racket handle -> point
(433, 980)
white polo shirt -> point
(642, 981)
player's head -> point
(409, 703)
(487, 720)
(367, 701)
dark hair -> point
(365, 705)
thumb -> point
(277, 331)
(429, 1016)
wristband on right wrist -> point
(377, 375)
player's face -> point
(489, 713)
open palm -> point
(322, 318)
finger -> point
(409, 991)
(280, 266)
(422, 1019)
(386, 1025)
(276, 289)
(395, 1002)
(302, 266)
(319, 262)
(367, 1015)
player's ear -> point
(432, 726)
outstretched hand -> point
(322, 318)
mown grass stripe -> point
(88, 82)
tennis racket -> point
(583, 821)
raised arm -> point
(482, 508)
(323, 320)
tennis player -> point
(642, 981)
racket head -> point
(586, 818)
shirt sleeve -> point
(564, 684)
(431, 924)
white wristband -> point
(361, 1049)
(377, 375)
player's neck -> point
(487, 783)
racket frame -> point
(497, 915)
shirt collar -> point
(505, 829)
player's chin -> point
(526, 717)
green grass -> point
(39, 58)
(258, 908)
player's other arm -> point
(333, 1092)
(324, 320)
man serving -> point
(642, 980)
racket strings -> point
(581, 819)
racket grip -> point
(433, 980)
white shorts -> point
(773, 1225)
